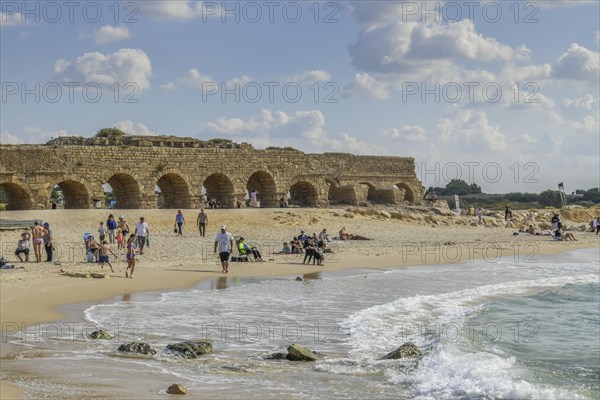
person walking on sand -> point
(130, 256)
(253, 199)
(142, 231)
(201, 221)
(111, 225)
(480, 215)
(38, 232)
(507, 212)
(123, 225)
(224, 243)
(179, 221)
(104, 258)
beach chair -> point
(554, 237)
(242, 253)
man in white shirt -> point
(224, 243)
(142, 232)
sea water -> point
(508, 329)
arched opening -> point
(408, 193)
(340, 195)
(303, 194)
(70, 194)
(264, 184)
(378, 196)
(174, 192)
(219, 187)
(125, 191)
(15, 197)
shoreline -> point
(39, 293)
(52, 294)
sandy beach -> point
(32, 292)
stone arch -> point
(409, 195)
(126, 190)
(340, 194)
(220, 187)
(304, 194)
(174, 190)
(379, 196)
(75, 194)
(264, 183)
(19, 198)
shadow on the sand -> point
(190, 270)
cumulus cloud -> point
(310, 76)
(168, 9)
(365, 85)
(470, 128)
(579, 64)
(168, 86)
(302, 128)
(407, 133)
(404, 47)
(8, 138)
(195, 78)
(132, 128)
(123, 66)
(109, 33)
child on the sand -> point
(130, 256)
(103, 257)
(120, 241)
(286, 248)
(102, 232)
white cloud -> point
(408, 133)
(13, 19)
(123, 66)
(194, 78)
(303, 128)
(588, 102)
(310, 76)
(365, 85)
(578, 63)
(8, 138)
(406, 47)
(132, 128)
(471, 130)
(109, 33)
(168, 86)
(168, 9)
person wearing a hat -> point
(48, 242)
(224, 243)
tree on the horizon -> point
(110, 132)
(592, 195)
(551, 198)
(457, 186)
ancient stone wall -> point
(188, 171)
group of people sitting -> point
(556, 230)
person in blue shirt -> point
(179, 221)
(111, 225)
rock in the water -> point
(191, 349)
(177, 389)
(276, 356)
(299, 278)
(297, 352)
(100, 335)
(136, 347)
(407, 350)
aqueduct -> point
(186, 170)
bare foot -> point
(126, 275)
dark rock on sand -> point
(100, 335)
(177, 389)
(136, 347)
(298, 352)
(191, 349)
(407, 350)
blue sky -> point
(160, 67)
